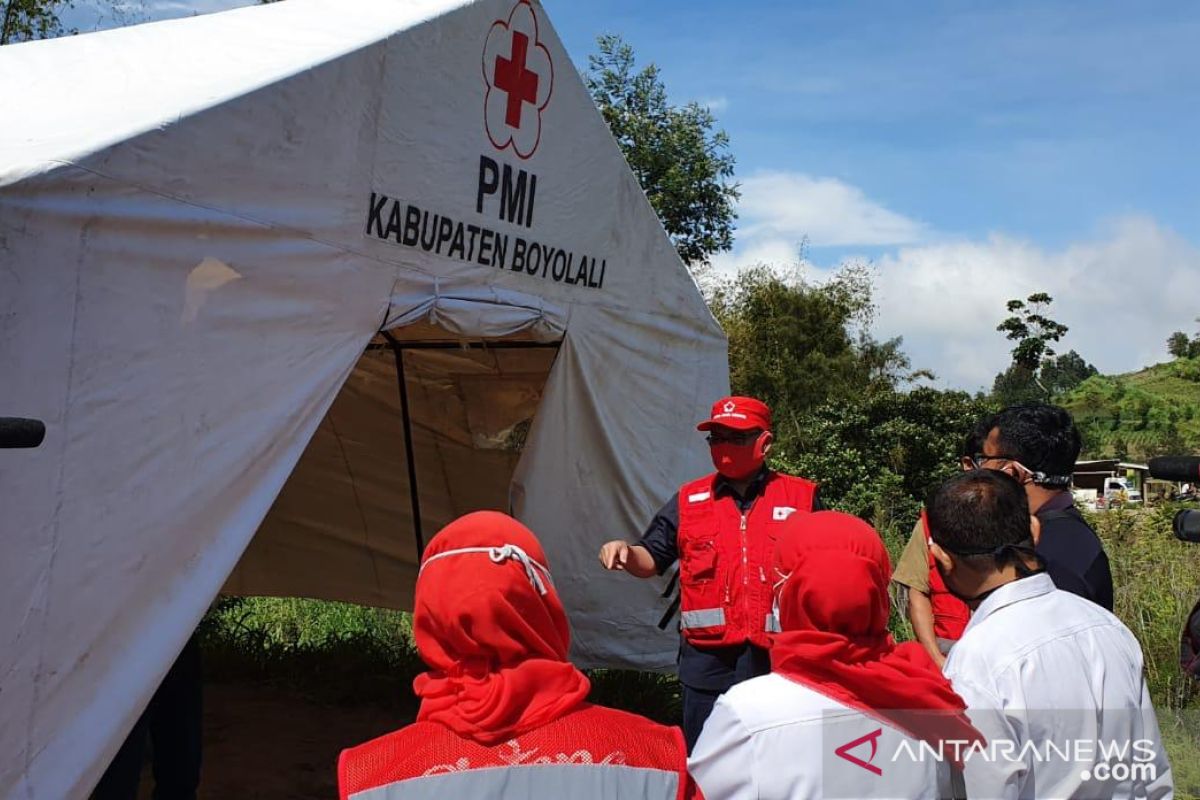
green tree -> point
(1017, 384)
(26, 20)
(1178, 344)
(682, 163)
(1062, 374)
(845, 412)
(877, 455)
(1032, 330)
(797, 344)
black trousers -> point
(707, 673)
(697, 705)
(172, 725)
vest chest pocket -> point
(699, 562)
(773, 531)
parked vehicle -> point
(1120, 491)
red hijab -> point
(833, 613)
(493, 632)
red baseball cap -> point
(739, 413)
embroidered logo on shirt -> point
(780, 513)
(698, 496)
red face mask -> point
(740, 461)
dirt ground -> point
(266, 743)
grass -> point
(342, 654)
(335, 653)
(1156, 580)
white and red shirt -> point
(770, 737)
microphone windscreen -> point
(1175, 468)
(18, 432)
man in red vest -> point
(722, 530)
(938, 617)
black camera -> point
(1187, 525)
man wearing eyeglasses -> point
(722, 530)
(1037, 444)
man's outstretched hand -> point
(621, 556)
(614, 555)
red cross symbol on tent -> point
(512, 77)
(519, 76)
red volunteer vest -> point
(950, 615)
(725, 556)
(594, 752)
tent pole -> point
(414, 495)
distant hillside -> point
(1141, 414)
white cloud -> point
(779, 210)
(1121, 291)
(715, 104)
(790, 205)
(1121, 294)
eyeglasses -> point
(738, 439)
(1035, 475)
(979, 459)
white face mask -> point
(500, 555)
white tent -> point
(221, 241)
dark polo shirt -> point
(1075, 559)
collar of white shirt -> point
(1014, 592)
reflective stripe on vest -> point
(702, 618)
(576, 781)
(772, 624)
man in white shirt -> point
(1054, 682)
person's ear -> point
(1011, 470)
(944, 559)
(763, 445)
(1035, 529)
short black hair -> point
(977, 512)
(973, 442)
(1041, 436)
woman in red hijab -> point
(845, 711)
(500, 692)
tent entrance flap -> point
(425, 429)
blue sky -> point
(971, 152)
(1038, 117)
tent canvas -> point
(205, 225)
